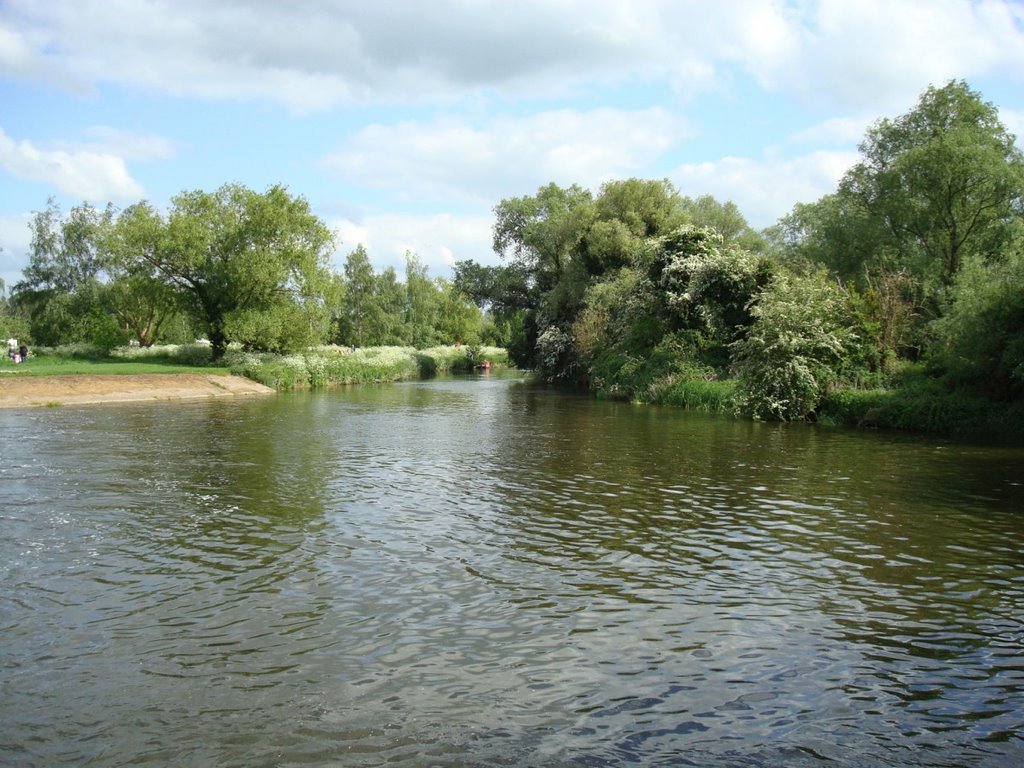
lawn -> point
(47, 365)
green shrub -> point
(980, 340)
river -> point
(477, 572)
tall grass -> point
(921, 403)
(331, 366)
(708, 395)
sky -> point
(404, 122)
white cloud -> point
(767, 189)
(879, 55)
(83, 173)
(14, 240)
(311, 55)
(833, 132)
(506, 156)
(128, 145)
(438, 239)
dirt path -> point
(29, 391)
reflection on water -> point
(474, 572)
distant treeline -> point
(233, 266)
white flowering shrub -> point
(708, 284)
(794, 349)
(554, 346)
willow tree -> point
(250, 266)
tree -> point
(543, 232)
(421, 304)
(458, 321)
(626, 213)
(360, 309)
(503, 294)
(64, 252)
(942, 182)
(60, 291)
(980, 340)
(236, 254)
(137, 295)
(725, 218)
(390, 297)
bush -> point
(981, 338)
(794, 349)
(708, 284)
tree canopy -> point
(941, 182)
(234, 265)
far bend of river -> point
(474, 572)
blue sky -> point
(404, 122)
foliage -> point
(541, 233)
(64, 252)
(934, 186)
(554, 354)
(13, 326)
(456, 319)
(708, 285)
(696, 394)
(918, 401)
(61, 291)
(281, 327)
(234, 254)
(182, 354)
(724, 218)
(421, 304)
(980, 340)
(942, 181)
(795, 348)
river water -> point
(475, 572)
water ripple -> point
(473, 572)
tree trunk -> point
(218, 343)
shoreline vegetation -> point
(913, 402)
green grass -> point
(63, 366)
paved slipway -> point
(18, 391)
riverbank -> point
(82, 374)
(52, 391)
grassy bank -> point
(314, 369)
(920, 403)
(83, 359)
(912, 401)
